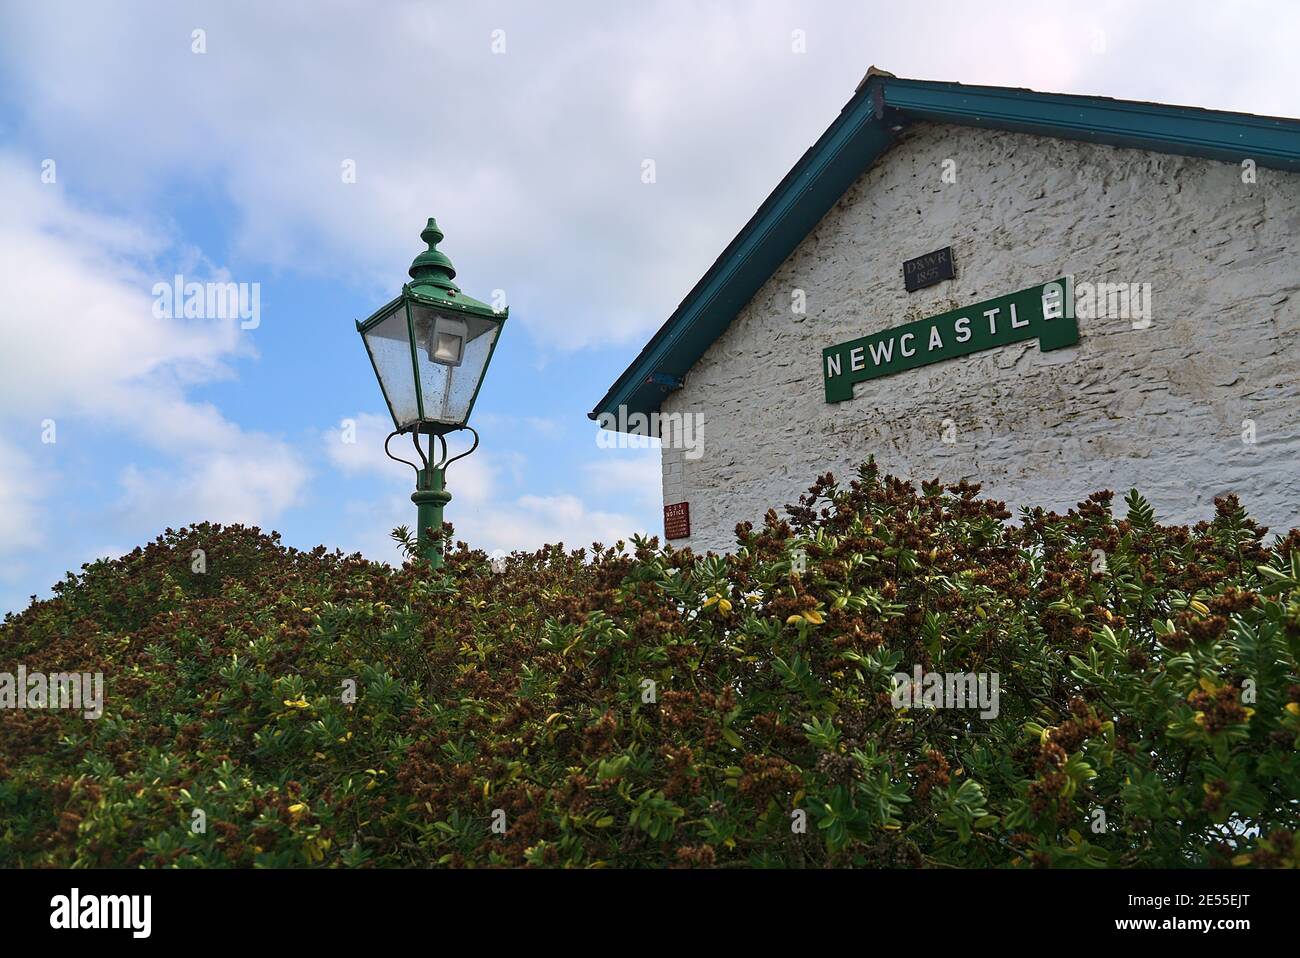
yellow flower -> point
(1198, 606)
(1293, 708)
(299, 703)
(812, 617)
(297, 809)
(724, 605)
(315, 848)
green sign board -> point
(1044, 313)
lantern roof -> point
(432, 274)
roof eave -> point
(864, 130)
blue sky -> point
(524, 129)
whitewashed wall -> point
(1160, 408)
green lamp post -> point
(430, 348)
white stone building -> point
(1179, 227)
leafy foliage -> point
(654, 707)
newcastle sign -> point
(1044, 313)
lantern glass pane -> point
(389, 344)
(449, 389)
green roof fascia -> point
(1160, 128)
(453, 301)
(461, 304)
(364, 325)
(863, 131)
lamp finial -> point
(432, 267)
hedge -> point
(639, 706)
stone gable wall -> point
(1160, 408)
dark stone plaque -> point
(928, 269)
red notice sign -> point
(677, 521)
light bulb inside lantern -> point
(444, 340)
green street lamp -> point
(430, 348)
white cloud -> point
(632, 474)
(530, 521)
(77, 317)
(356, 446)
(538, 427)
(26, 480)
(84, 349)
(541, 426)
(253, 486)
(531, 159)
(22, 485)
(475, 476)
(533, 169)
(483, 509)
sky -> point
(299, 149)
